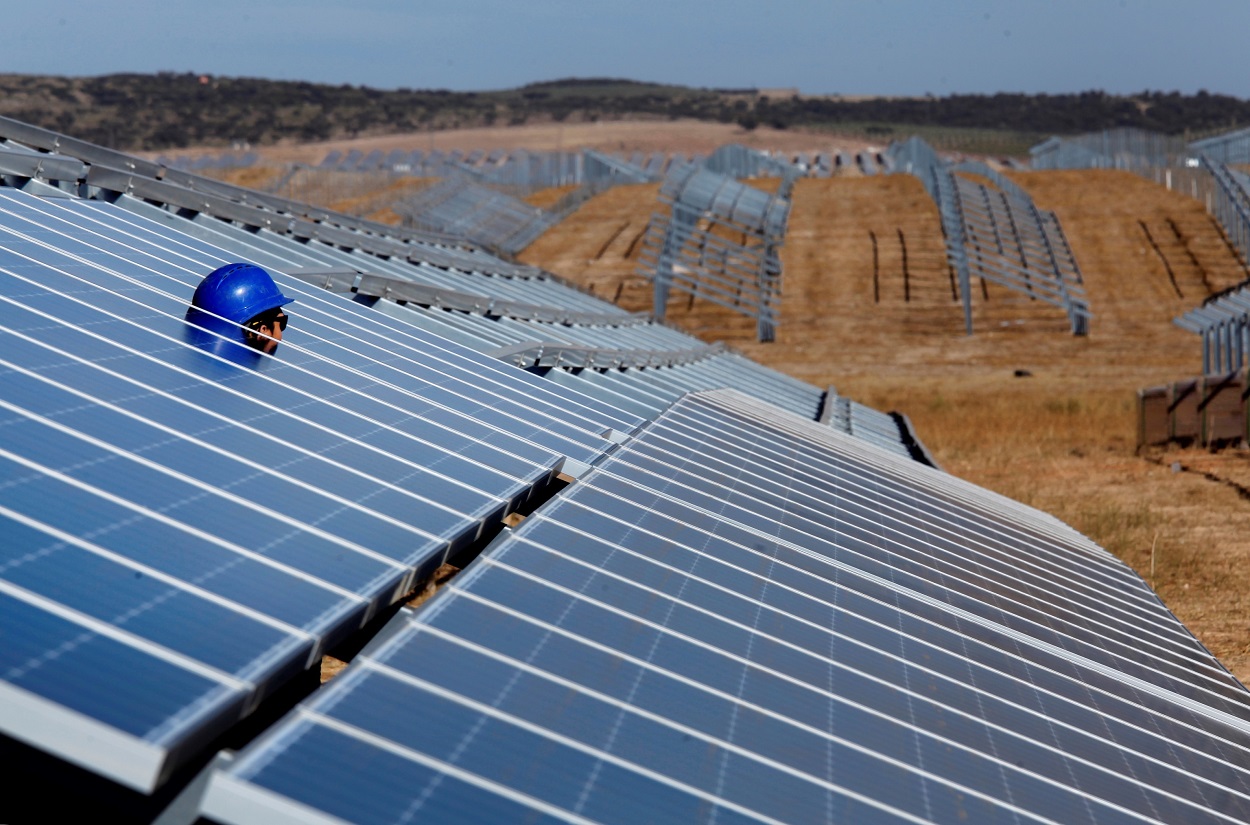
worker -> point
(241, 302)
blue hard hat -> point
(238, 292)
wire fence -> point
(1125, 148)
(1230, 148)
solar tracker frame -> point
(998, 235)
(682, 250)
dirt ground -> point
(689, 136)
(1021, 406)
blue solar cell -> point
(640, 612)
(225, 517)
(239, 573)
(168, 616)
(385, 782)
(53, 657)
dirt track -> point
(1060, 436)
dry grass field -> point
(608, 136)
(1061, 434)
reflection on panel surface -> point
(191, 523)
(743, 615)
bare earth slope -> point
(1061, 434)
(689, 136)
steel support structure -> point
(1223, 321)
(997, 233)
(718, 240)
(487, 217)
(1231, 205)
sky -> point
(872, 47)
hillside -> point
(148, 112)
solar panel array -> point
(484, 216)
(461, 277)
(303, 493)
(628, 360)
(1231, 147)
(1123, 148)
(733, 610)
(717, 239)
(997, 234)
(742, 616)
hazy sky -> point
(899, 47)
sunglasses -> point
(278, 320)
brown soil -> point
(688, 136)
(546, 198)
(1060, 436)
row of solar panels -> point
(1129, 148)
(197, 163)
(742, 616)
(734, 612)
(586, 351)
(482, 215)
(566, 167)
(692, 244)
(997, 233)
(1223, 321)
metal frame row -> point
(1123, 148)
(1149, 153)
(997, 234)
(1223, 321)
(474, 202)
(688, 247)
(1231, 203)
(402, 291)
(486, 217)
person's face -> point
(267, 335)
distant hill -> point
(139, 112)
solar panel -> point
(998, 232)
(688, 249)
(731, 614)
(725, 620)
(301, 493)
(370, 344)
